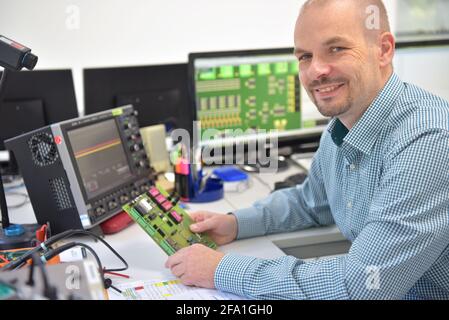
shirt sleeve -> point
(290, 209)
(405, 233)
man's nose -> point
(318, 68)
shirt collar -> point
(366, 131)
(338, 132)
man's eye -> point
(305, 57)
(337, 49)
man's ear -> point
(387, 48)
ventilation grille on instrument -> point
(60, 194)
(43, 149)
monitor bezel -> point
(67, 127)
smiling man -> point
(381, 175)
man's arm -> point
(404, 235)
(290, 209)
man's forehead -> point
(351, 17)
(323, 29)
(324, 42)
(342, 15)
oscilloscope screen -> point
(100, 157)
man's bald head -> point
(345, 51)
(373, 14)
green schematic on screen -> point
(258, 94)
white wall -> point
(139, 32)
(425, 67)
(93, 33)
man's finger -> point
(178, 270)
(197, 216)
(203, 225)
(185, 280)
(174, 259)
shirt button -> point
(352, 167)
(349, 205)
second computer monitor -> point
(34, 99)
(157, 92)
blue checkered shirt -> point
(386, 187)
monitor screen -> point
(157, 92)
(100, 158)
(54, 88)
(33, 99)
(19, 117)
(249, 92)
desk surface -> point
(146, 260)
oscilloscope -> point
(80, 172)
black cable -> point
(48, 290)
(3, 204)
(54, 252)
(21, 204)
(20, 261)
(12, 187)
(63, 235)
(91, 234)
(30, 281)
(107, 283)
(37, 261)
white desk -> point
(146, 260)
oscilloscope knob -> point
(134, 136)
(134, 147)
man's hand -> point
(195, 265)
(222, 228)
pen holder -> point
(213, 190)
(198, 189)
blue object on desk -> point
(14, 230)
(212, 191)
(230, 174)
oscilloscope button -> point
(134, 147)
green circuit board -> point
(167, 224)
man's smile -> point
(328, 91)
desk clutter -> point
(97, 174)
(59, 276)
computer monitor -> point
(250, 90)
(33, 99)
(157, 92)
